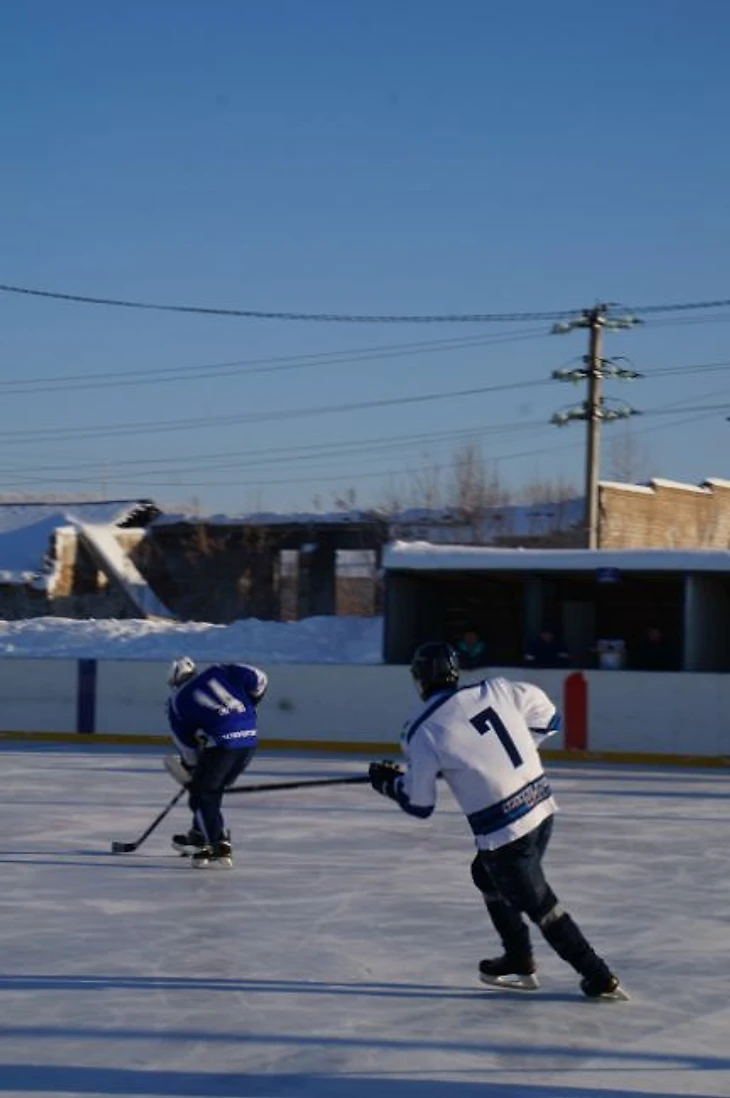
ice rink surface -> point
(339, 956)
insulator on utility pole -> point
(592, 410)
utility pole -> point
(593, 438)
(594, 409)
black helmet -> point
(435, 666)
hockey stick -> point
(269, 787)
(128, 848)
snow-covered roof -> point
(100, 539)
(661, 482)
(646, 489)
(23, 549)
(516, 519)
(26, 530)
(651, 486)
(271, 518)
(420, 556)
(18, 514)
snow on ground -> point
(314, 640)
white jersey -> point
(482, 739)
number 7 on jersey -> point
(488, 720)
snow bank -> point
(313, 640)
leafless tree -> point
(476, 488)
(392, 500)
(546, 490)
(629, 462)
(346, 501)
(425, 488)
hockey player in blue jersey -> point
(483, 739)
(212, 716)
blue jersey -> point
(217, 708)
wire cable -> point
(198, 423)
(261, 314)
(356, 318)
(246, 367)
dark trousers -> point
(216, 769)
(512, 881)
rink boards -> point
(632, 716)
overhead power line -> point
(354, 318)
(108, 430)
(181, 479)
(680, 307)
(262, 314)
(264, 365)
(210, 466)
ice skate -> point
(512, 973)
(603, 987)
(216, 856)
(189, 841)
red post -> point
(575, 711)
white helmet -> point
(180, 671)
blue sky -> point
(355, 158)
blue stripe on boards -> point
(86, 697)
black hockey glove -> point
(383, 777)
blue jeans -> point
(216, 769)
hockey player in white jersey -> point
(483, 740)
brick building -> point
(664, 514)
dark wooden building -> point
(268, 567)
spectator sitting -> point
(546, 651)
(471, 650)
(654, 653)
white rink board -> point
(659, 714)
(338, 703)
(670, 714)
(38, 695)
(131, 697)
